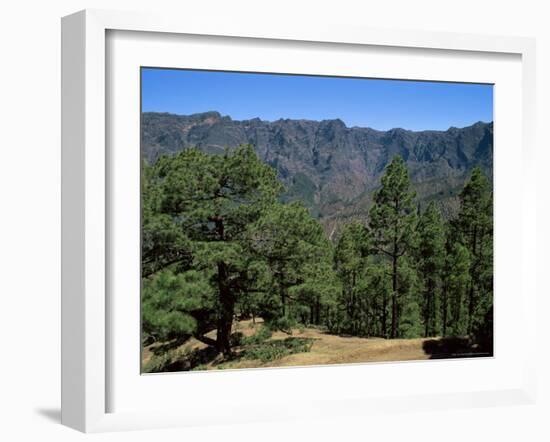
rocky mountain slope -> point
(333, 168)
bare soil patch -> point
(325, 349)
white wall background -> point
(30, 215)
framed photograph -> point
(324, 217)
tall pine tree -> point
(455, 278)
(215, 199)
(392, 220)
(292, 245)
(350, 259)
(475, 225)
(430, 259)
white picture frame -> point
(86, 315)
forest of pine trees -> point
(219, 246)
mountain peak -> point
(209, 115)
(475, 125)
(336, 121)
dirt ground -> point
(332, 349)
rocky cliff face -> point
(332, 168)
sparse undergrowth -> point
(271, 350)
(159, 363)
(259, 347)
(312, 346)
(262, 334)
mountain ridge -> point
(329, 166)
(220, 116)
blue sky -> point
(380, 104)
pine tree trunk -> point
(318, 315)
(427, 312)
(444, 308)
(226, 299)
(394, 299)
(384, 314)
(227, 310)
(430, 309)
(282, 290)
(471, 307)
(427, 315)
(472, 279)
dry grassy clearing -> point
(325, 349)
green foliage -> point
(431, 240)
(218, 244)
(294, 249)
(455, 276)
(392, 221)
(483, 332)
(261, 335)
(352, 249)
(215, 199)
(378, 287)
(159, 363)
(430, 253)
(392, 217)
(351, 255)
(201, 189)
(315, 296)
(410, 325)
(171, 304)
(474, 229)
(163, 242)
(413, 269)
(276, 349)
(252, 250)
(282, 323)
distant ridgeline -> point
(331, 168)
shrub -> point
(284, 324)
(236, 339)
(276, 349)
(261, 335)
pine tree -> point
(215, 199)
(430, 255)
(475, 225)
(218, 244)
(410, 322)
(378, 288)
(293, 245)
(316, 295)
(392, 219)
(455, 278)
(163, 242)
(176, 305)
(350, 258)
